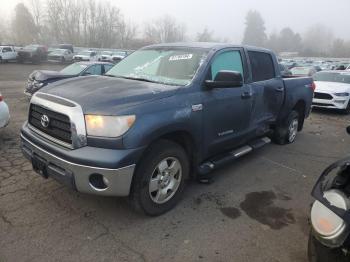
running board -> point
(221, 160)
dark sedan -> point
(41, 78)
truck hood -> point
(43, 75)
(107, 95)
(331, 87)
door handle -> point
(246, 95)
(279, 89)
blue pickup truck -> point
(164, 114)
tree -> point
(254, 33)
(23, 26)
(205, 36)
(165, 29)
(317, 40)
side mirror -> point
(348, 130)
(225, 79)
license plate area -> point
(39, 165)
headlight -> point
(108, 126)
(330, 229)
(342, 94)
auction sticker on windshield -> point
(180, 57)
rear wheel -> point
(320, 253)
(286, 132)
(159, 179)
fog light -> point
(330, 229)
(98, 182)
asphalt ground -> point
(256, 209)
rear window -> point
(262, 66)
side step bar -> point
(221, 160)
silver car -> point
(4, 113)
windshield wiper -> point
(133, 78)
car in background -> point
(4, 112)
(303, 71)
(348, 68)
(32, 53)
(7, 53)
(106, 56)
(86, 55)
(284, 70)
(332, 90)
(67, 46)
(118, 56)
(60, 55)
(41, 78)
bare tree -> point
(205, 36)
(165, 29)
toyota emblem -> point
(45, 121)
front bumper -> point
(77, 176)
(337, 102)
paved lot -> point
(255, 211)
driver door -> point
(226, 111)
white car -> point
(86, 55)
(348, 68)
(118, 56)
(60, 55)
(332, 90)
(7, 53)
(4, 113)
(106, 56)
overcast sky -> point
(226, 17)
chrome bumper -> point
(77, 176)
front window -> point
(171, 66)
(73, 69)
(332, 77)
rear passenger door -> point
(267, 86)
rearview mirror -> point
(225, 79)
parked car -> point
(163, 114)
(332, 90)
(7, 53)
(40, 78)
(284, 70)
(348, 68)
(106, 56)
(32, 53)
(60, 55)
(86, 55)
(118, 56)
(303, 71)
(329, 238)
(67, 46)
(4, 112)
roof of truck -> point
(207, 45)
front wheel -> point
(159, 179)
(319, 253)
(286, 132)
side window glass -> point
(230, 60)
(107, 67)
(262, 66)
(90, 70)
(98, 70)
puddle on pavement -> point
(260, 207)
(231, 212)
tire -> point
(146, 196)
(286, 132)
(319, 253)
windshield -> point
(169, 66)
(332, 77)
(73, 69)
(87, 53)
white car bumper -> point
(4, 114)
(328, 100)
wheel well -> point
(300, 108)
(186, 141)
